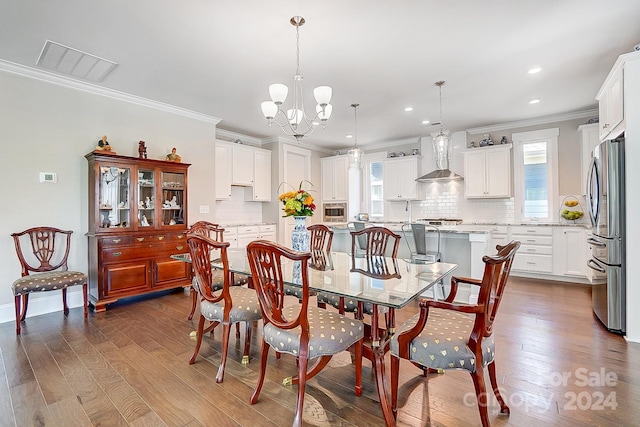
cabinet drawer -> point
(249, 229)
(532, 249)
(499, 229)
(540, 231)
(116, 240)
(532, 262)
(267, 228)
(535, 240)
(179, 237)
(122, 254)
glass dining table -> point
(381, 281)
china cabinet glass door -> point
(173, 198)
(146, 197)
(114, 203)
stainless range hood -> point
(440, 175)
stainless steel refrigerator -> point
(606, 207)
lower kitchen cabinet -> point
(536, 251)
(248, 233)
(127, 265)
(570, 251)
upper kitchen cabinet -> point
(335, 179)
(589, 138)
(400, 175)
(244, 166)
(487, 172)
(611, 104)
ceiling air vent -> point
(72, 62)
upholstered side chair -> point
(44, 268)
(228, 305)
(304, 331)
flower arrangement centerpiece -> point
(298, 202)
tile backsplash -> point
(236, 210)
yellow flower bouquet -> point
(298, 202)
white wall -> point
(49, 128)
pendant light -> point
(355, 154)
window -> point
(535, 174)
(374, 182)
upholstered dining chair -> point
(228, 305)
(302, 330)
(445, 335)
(46, 255)
(215, 232)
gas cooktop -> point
(441, 221)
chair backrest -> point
(358, 226)
(320, 237)
(209, 229)
(265, 260)
(496, 272)
(200, 248)
(43, 246)
(378, 267)
(418, 235)
(377, 239)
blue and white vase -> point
(300, 235)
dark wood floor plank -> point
(7, 418)
(29, 407)
(68, 412)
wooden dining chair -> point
(215, 232)
(445, 335)
(228, 305)
(44, 268)
(304, 331)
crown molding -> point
(230, 136)
(535, 121)
(44, 76)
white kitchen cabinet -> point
(242, 168)
(231, 235)
(536, 251)
(335, 182)
(487, 172)
(249, 233)
(260, 190)
(611, 104)
(570, 252)
(400, 178)
(499, 236)
(589, 139)
(223, 171)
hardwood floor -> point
(129, 367)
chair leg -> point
(65, 307)
(18, 314)
(395, 371)
(200, 332)
(25, 304)
(85, 300)
(481, 395)
(302, 382)
(247, 343)
(226, 331)
(264, 354)
(194, 301)
(504, 409)
(237, 331)
(358, 356)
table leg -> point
(378, 369)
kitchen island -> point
(464, 245)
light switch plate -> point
(204, 208)
(48, 177)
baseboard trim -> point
(49, 302)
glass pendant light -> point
(355, 154)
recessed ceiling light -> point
(407, 109)
(535, 70)
(534, 101)
(425, 122)
(349, 135)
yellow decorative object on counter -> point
(571, 214)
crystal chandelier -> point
(355, 154)
(296, 121)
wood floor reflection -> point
(129, 367)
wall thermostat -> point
(48, 177)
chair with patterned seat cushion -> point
(216, 233)
(44, 268)
(445, 335)
(304, 331)
(228, 305)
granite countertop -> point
(397, 227)
(246, 224)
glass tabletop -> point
(390, 282)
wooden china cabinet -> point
(137, 220)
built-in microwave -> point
(334, 212)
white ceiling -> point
(218, 57)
